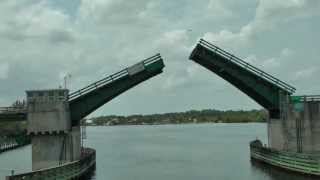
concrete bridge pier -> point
(298, 128)
(54, 141)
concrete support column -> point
(299, 129)
(54, 141)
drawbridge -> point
(262, 87)
(86, 100)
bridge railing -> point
(247, 66)
(13, 109)
(7, 144)
(305, 98)
(305, 163)
(110, 79)
(73, 170)
(13, 142)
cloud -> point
(306, 73)
(226, 37)
(4, 70)
(219, 9)
(112, 12)
(36, 22)
(269, 15)
(40, 43)
(271, 12)
(272, 62)
(286, 52)
(174, 37)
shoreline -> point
(176, 124)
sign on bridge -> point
(135, 69)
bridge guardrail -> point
(110, 79)
(13, 109)
(247, 66)
(9, 143)
(305, 98)
(305, 163)
(66, 171)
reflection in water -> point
(275, 173)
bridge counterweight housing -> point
(48, 112)
(54, 141)
(297, 130)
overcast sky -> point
(42, 40)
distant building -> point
(89, 121)
(195, 120)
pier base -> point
(54, 150)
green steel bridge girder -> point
(264, 92)
(85, 104)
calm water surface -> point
(171, 152)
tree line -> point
(193, 116)
(12, 128)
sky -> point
(43, 40)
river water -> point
(171, 152)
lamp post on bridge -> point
(67, 76)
